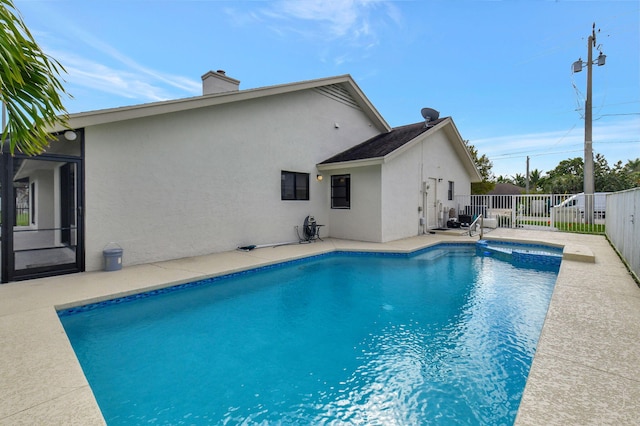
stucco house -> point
(229, 168)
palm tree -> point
(633, 165)
(535, 179)
(504, 179)
(633, 169)
(519, 180)
(29, 87)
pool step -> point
(432, 254)
(519, 253)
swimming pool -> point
(443, 335)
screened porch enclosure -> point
(45, 230)
(41, 213)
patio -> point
(585, 371)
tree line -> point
(566, 178)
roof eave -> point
(462, 151)
(350, 164)
(418, 139)
(366, 105)
(105, 116)
(447, 126)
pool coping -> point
(570, 252)
(579, 374)
(84, 306)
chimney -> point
(217, 82)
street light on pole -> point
(589, 186)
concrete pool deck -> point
(586, 369)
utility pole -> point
(589, 186)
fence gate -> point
(558, 212)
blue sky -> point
(501, 69)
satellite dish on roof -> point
(429, 114)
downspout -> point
(423, 188)
(423, 191)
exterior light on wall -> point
(319, 178)
(70, 135)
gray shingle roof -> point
(506, 189)
(383, 144)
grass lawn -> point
(582, 228)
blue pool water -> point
(444, 336)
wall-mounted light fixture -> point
(319, 178)
(70, 135)
(439, 179)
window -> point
(294, 186)
(341, 191)
(450, 192)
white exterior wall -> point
(208, 180)
(401, 195)
(45, 198)
(402, 180)
(363, 221)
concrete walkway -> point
(586, 369)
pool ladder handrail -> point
(474, 223)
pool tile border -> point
(211, 280)
(341, 253)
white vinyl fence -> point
(557, 212)
(623, 229)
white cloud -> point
(616, 139)
(612, 132)
(174, 81)
(342, 16)
(125, 78)
(94, 64)
(353, 20)
(99, 77)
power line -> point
(565, 135)
(613, 115)
(522, 154)
(536, 155)
(624, 103)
